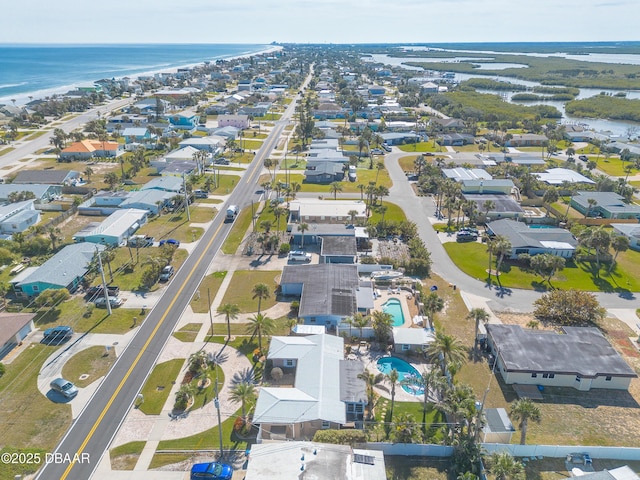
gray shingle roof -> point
(334, 245)
(520, 235)
(68, 264)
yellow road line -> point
(137, 359)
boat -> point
(386, 274)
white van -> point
(298, 256)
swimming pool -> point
(405, 371)
(394, 307)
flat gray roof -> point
(335, 245)
(580, 351)
(520, 235)
(503, 203)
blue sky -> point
(321, 21)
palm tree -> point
(406, 429)
(303, 227)
(352, 215)
(524, 410)
(487, 206)
(370, 380)
(426, 381)
(619, 243)
(505, 467)
(278, 212)
(433, 303)
(501, 247)
(260, 291)
(230, 311)
(382, 325)
(108, 255)
(478, 315)
(294, 188)
(360, 321)
(335, 187)
(592, 203)
(379, 167)
(599, 240)
(361, 187)
(446, 349)
(54, 236)
(259, 325)
(393, 377)
(197, 362)
(88, 172)
(243, 393)
(266, 226)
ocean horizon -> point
(40, 70)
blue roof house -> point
(64, 270)
(184, 121)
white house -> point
(581, 358)
(631, 231)
(18, 217)
(115, 229)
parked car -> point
(298, 256)
(166, 274)
(584, 158)
(170, 241)
(57, 334)
(201, 194)
(463, 236)
(211, 471)
(65, 387)
(221, 161)
(97, 290)
(140, 241)
(386, 147)
(377, 151)
(113, 301)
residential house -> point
(44, 193)
(182, 154)
(229, 132)
(326, 391)
(323, 172)
(137, 135)
(339, 249)
(166, 184)
(526, 140)
(178, 168)
(64, 270)
(447, 124)
(312, 210)
(429, 87)
(14, 328)
(211, 145)
(238, 121)
(580, 357)
(328, 292)
(455, 139)
(534, 241)
(49, 177)
(607, 205)
(184, 121)
(322, 461)
(620, 473)
(115, 229)
(18, 217)
(152, 200)
(459, 174)
(412, 339)
(629, 230)
(563, 176)
(504, 206)
(400, 138)
(86, 149)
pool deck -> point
(403, 296)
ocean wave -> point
(11, 85)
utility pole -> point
(210, 315)
(104, 283)
(216, 402)
(186, 197)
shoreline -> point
(23, 98)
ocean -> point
(41, 70)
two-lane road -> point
(92, 431)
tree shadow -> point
(539, 286)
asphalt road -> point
(91, 433)
(32, 146)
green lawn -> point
(267, 215)
(393, 214)
(73, 313)
(158, 386)
(29, 418)
(243, 281)
(176, 225)
(420, 147)
(128, 267)
(614, 167)
(210, 283)
(93, 361)
(238, 231)
(472, 258)
(188, 333)
(250, 144)
(126, 456)
(206, 394)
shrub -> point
(2, 370)
(276, 373)
(340, 437)
(284, 249)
